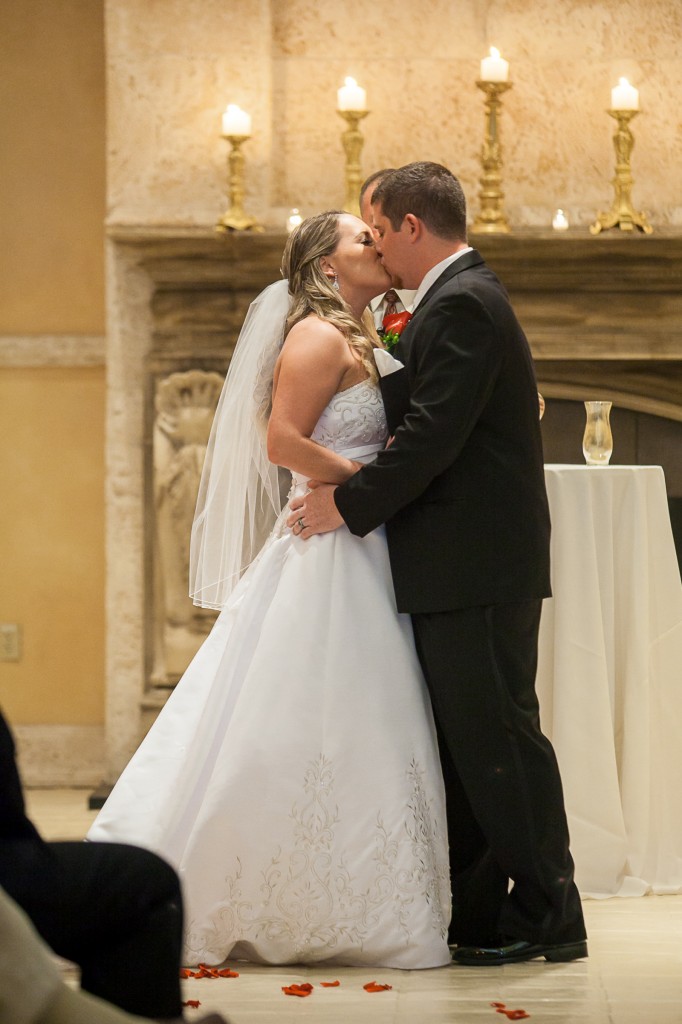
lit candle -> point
(559, 221)
(293, 220)
(352, 96)
(624, 96)
(494, 68)
(236, 121)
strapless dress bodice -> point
(353, 424)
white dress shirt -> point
(434, 273)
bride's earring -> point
(335, 282)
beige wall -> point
(52, 167)
(51, 543)
(174, 65)
(52, 205)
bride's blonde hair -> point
(313, 292)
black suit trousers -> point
(114, 910)
(506, 817)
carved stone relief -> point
(185, 404)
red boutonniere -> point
(393, 326)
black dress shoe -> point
(517, 952)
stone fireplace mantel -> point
(603, 316)
(615, 298)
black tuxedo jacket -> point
(462, 488)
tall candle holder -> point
(491, 218)
(235, 218)
(353, 141)
(622, 213)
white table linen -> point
(610, 676)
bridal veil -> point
(239, 494)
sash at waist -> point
(361, 453)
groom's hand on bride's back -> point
(315, 512)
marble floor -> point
(633, 974)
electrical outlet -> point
(10, 641)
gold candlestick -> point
(491, 218)
(235, 219)
(622, 214)
(353, 142)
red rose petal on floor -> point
(330, 984)
(372, 986)
(194, 1003)
(298, 990)
(516, 1014)
(500, 1005)
(207, 972)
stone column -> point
(171, 70)
(128, 335)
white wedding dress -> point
(293, 776)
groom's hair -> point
(375, 179)
(428, 191)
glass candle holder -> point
(597, 439)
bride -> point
(293, 777)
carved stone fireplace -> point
(603, 315)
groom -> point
(461, 491)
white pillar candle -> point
(624, 96)
(351, 96)
(559, 221)
(494, 68)
(293, 220)
(236, 121)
